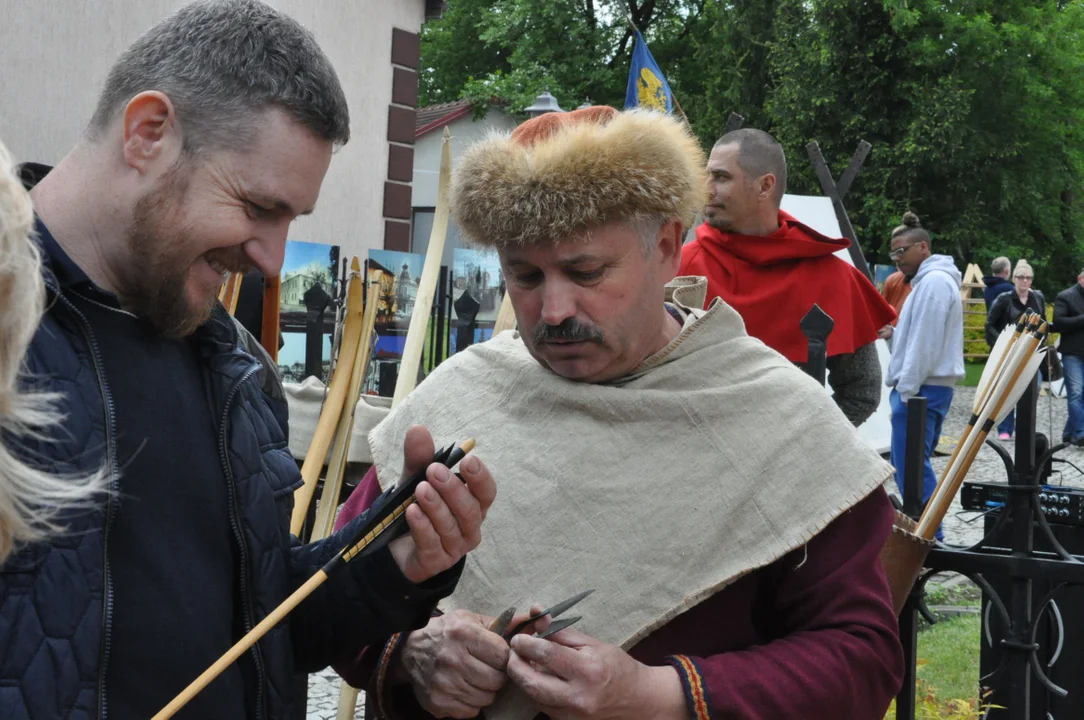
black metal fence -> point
(1023, 569)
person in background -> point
(897, 288)
(1069, 322)
(928, 345)
(772, 269)
(997, 281)
(1004, 310)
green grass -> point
(964, 593)
(972, 373)
(948, 671)
(950, 650)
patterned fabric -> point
(392, 648)
(696, 695)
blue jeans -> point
(1008, 425)
(1073, 368)
(938, 400)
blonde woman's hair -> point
(30, 499)
(1023, 266)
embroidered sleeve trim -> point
(692, 681)
(391, 650)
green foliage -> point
(974, 107)
(930, 706)
(972, 373)
(975, 331)
(947, 686)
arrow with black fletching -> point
(386, 522)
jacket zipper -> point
(111, 461)
(246, 595)
(107, 605)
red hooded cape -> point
(773, 281)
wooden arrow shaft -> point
(241, 646)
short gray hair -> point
(647, 229)
(1000, 265)
(221, 62)
(759, 153)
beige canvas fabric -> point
(306, 400)
(716, 457)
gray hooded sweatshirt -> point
(928, 344)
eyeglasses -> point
(898, 252)
(1023, 277)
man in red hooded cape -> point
(772, 268)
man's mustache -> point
(570, 330)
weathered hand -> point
(446, 521)
(573, 675)
(455, 664)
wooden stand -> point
(333, 404)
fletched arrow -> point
(386, 521)
(1014, 360)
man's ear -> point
(668, 244)
(766, 188)
(150, 132)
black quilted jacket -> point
(55, 599)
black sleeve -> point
(1065, 319)
(363, 602)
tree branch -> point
(685, 31)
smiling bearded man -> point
(726, 513)
(212, 133)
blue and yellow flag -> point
(647, 85)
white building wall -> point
(427, 171)
(427, 151)
(55, 54)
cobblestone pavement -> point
(324, 697)
(966, 528)
(960, 527)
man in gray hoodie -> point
(928, 345)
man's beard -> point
(155, 289)
(718, 221)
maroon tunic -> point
(810, 636)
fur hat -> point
(559, 175)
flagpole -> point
(673, 95)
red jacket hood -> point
(792, 241)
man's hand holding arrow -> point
(446, 520)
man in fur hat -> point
(772, 268)
(736, 571)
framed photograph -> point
(309, 271)
(477, 289)
(397, 274)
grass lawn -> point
(948, 669)
(972, 373)
(951, 651)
